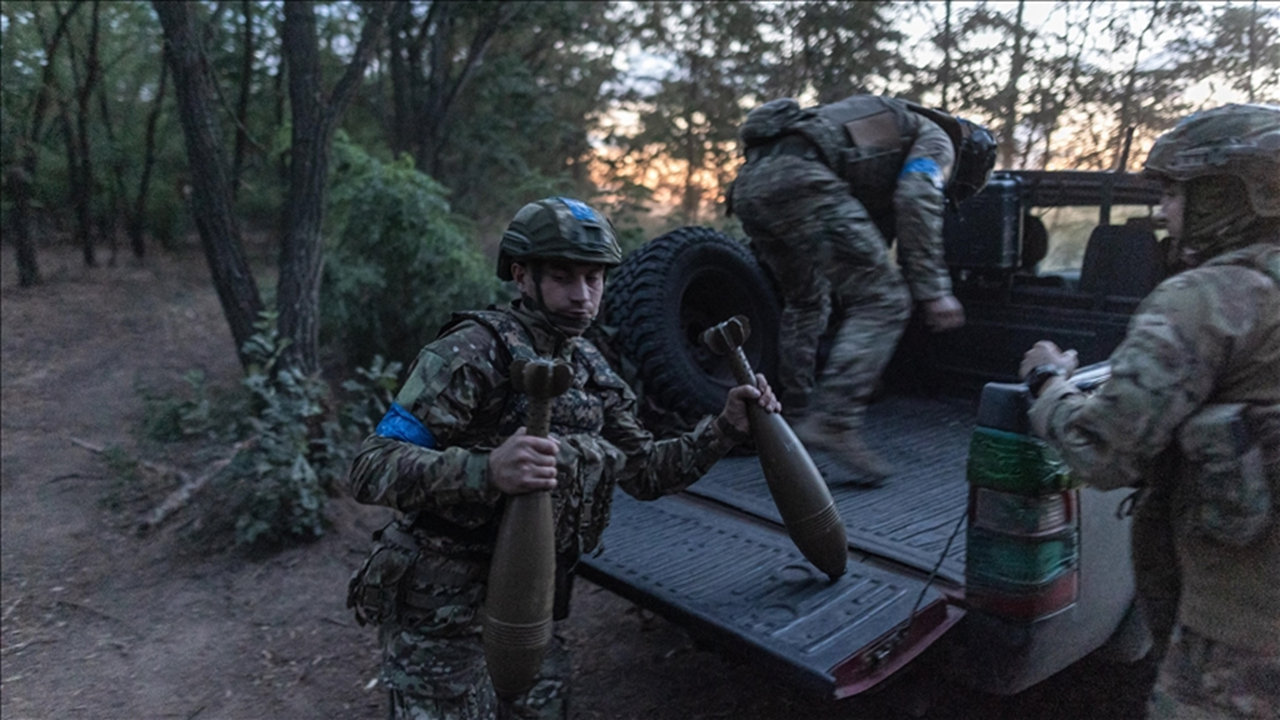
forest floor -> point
(99, 622)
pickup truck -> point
(980, 548)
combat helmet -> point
(558, 228)
(1227, 161)
(975, 158)
(1241, 141)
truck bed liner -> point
(912, 516)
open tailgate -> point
(716, 558)
(744, 585)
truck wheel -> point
(670, 290)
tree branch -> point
(370, 34)
(178, 498)
(189, 487)
(230, 111)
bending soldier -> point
(823, 193)
(452, 447)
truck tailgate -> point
(717, 559)
(746, 587)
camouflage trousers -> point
(827, 256)
(1217, 679)
(445, 678)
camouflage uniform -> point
(425, 581)
(1208, 335)
(1192, 415)
(822, 195)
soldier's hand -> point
(944, 313)
(524, 463)
(1047, 353)
(735, 405)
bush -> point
(301, 451)
(400, 263)
(169, 418)
(283, 498)
(294, 448)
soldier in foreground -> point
(453, 446)
(1191, 415)
(823, 193)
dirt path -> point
(99, 623)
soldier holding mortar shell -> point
(454, 448)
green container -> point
(1015, 463)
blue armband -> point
(926, 166)
(400, 424)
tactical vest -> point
(579, 411)
(864, 139)
(867, 137)
(576, 411)
(1230, 500)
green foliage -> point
(689, 117)
(169, 418)
(520, 130)
(120, 462)
(167, 221)
(295, 448)
(521, 97)
(299, 450)
(373, 390)
(284, 499)
(400, 262)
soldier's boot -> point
(548, 699)
(845, 446)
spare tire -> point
(665, 294)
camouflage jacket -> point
(1210, 335)
(896, 162)
(459, 389)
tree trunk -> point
(691, 195)
(314, 120)
(1253, 51)
(1129, 100)
(109, 218)
(82, 162)
(301, 256)
(405, 53)
(1008, 137)
(946, 59)
(138, 217)
(242, 103)
(75, 180)
(20, 178)
(429, 89)
(210, 191)
(19, 183)
(433, 96)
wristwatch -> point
(1040, 375)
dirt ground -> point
(98, 622)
